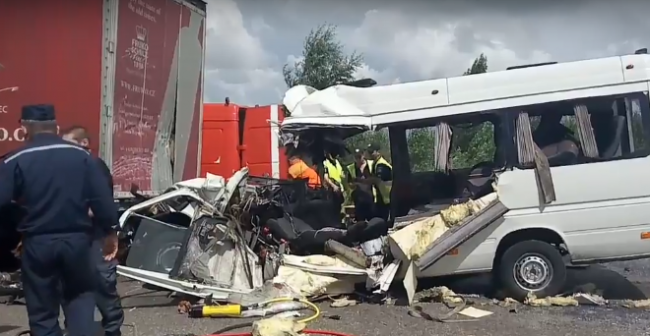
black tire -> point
(537, 250)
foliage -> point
(324, 62)
(421, 147)
(479, 66)
(361, 142)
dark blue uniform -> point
(57, 182)
(106, 296)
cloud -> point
(386, 76)
(237, 64)
(259, 26)
(414, 40)
(435, 39)
(432, 50)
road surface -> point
(155, 314)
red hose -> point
(306, 331)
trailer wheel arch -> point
(540, 234)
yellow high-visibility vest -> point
(335, 172)
(384, 187)
(352, 168)
(353, 174)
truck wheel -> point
(531, 266)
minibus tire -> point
(537, 253)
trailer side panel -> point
(51, 51)
(145, 70)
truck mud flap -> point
(459, 234)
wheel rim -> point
(167, 257)
(533, 272)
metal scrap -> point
(354, 256)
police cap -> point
(373, 147)
(42, 112)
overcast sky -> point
(250, 40)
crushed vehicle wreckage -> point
(249, 239)
(209, 237)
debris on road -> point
(343, 302)
(441, 294)
(507, 302)
(577, 299)
(475, 312)
(277, 327)
(184, 307)
(638, 304)
(533, 301)
(589, 299)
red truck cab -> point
(237, 136)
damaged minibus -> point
(566, 182)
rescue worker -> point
(107, 298)
(57, 182)
(361, 194)
(299, 170)
(382, 181)
(334, 175)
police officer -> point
(57, 182)
(334, 175)
(106, 295)
(360, 193)
(382, 180)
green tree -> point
(361, 142)
(324, 61)
(421, 146)
(479, 66)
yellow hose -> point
(313, 307)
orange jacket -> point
(300, 171)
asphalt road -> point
(154, 313)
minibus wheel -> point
(531, 266)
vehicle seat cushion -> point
(287, 228)
(318, 213)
